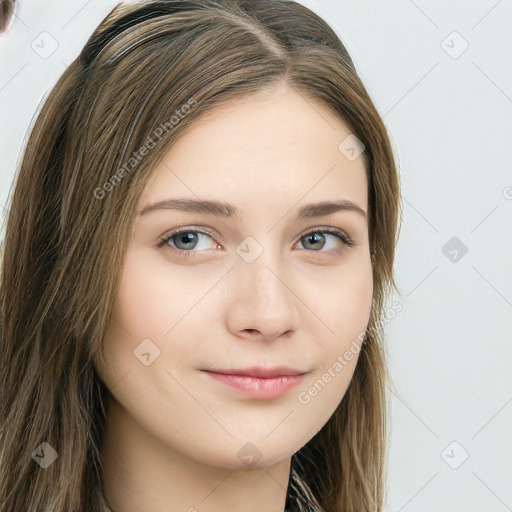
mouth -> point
(257, 382)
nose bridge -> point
(263, 299)
(264, 275)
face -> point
(281, 297)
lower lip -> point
(256, 387)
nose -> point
(262, 303)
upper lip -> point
(261, 372)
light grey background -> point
(448, 110)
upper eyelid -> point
(212, 233)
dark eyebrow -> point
(228, 210)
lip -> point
(261, 372)
(257, 382)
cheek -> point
(355, 302)
(153, 296)
(146, 299)
(344, 308)
(338, 351)
(138, 314)
(157, 302)
(342, 304)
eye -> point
(190, 241)
(184, 240)
(318, 238)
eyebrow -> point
(228, 210)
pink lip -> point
(259, 382)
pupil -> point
(315, 236)
(186, 238)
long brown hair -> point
(161, 65)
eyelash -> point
(331, 231)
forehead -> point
(263, 152)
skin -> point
(173, 433)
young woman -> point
(199, 245)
